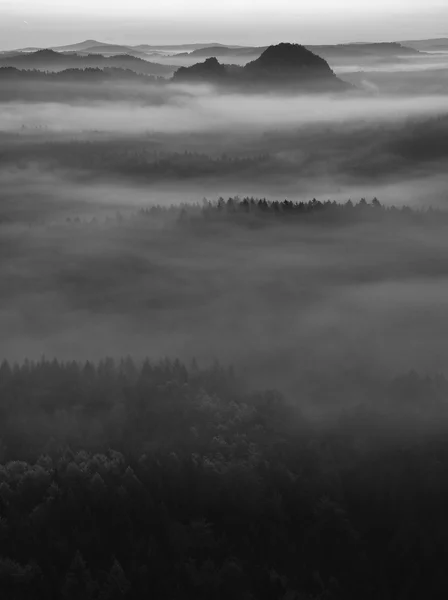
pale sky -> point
(53, 22)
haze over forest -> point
(223, 315)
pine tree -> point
(117, 586)
(78, 583)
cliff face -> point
(280, 66)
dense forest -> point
(125, 480)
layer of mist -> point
(277, 302)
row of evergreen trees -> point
(260, 211)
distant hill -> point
(96, 47)
(74, 85)
(179, 47)
(224, 51)
(431, 45)
(84, 75)
(377, 50)
(113, 49)
(81, 46)
(49, 60)
(279, 66)
(207, 50)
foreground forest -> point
(125, 480)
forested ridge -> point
(93, 74)
(134, 480)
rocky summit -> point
(280, 66)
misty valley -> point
(224, 321)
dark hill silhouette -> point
(73, 85)
(280, 66)
(8, 73)
(49, 60)
(288, 60)
(73, 75)
(45, 55)
(211, 70)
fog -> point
(212, 111)
(278, 302)
(398, 67)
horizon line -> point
(206, 44)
